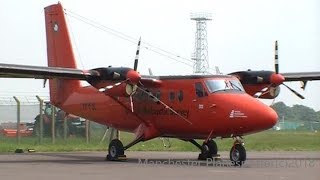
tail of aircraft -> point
(59, 53)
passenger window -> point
(200, 92)
(171, 96)
(180, 95)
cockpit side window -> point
(200, 91)
(215, 85)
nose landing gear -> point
(238, 153)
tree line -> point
(296, 113)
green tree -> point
(298, 113)
(283, 111)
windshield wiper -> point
(236, 87)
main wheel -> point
(209, 149)
(238, 154)
(115, 150)
(212, 147)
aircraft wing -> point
(41, 72)
(301, 76)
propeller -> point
(135, 67)
(277, 79)
(133, 78)
(276, 66)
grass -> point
(264, 141)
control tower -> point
(200, 54)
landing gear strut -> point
(116, 149)
(208, 149)
(238, 153)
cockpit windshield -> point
(215, 85)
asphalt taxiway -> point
(158, 165)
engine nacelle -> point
(272, 93)
(259, 77)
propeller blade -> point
(111, 86)
(262, 92)
(272, 103)
(295, 92)
(131, 104)
(135, 67)
(164, 104)
(44, 83)
(276, 58)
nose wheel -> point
(238, 154)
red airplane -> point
(184, 107)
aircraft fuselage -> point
(226, 112)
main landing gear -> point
(208, 149)
(116, 149)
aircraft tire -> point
(115, 150)
(212, 147)
(238, 155)
(209, 149)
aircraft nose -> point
(251, 112)
(268, 117)
(261, 116)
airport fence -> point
(33, 117)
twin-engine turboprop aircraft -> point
(184, 107)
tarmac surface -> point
(159, 165)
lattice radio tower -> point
(200, 55)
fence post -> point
(53, 122)
(114, 134)
(65, 125)
(87, 131)
(18, 119)
(41, 119)
(111, 134)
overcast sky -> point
(240, 37)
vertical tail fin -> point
(59, 53)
